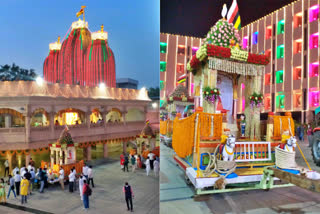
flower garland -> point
(233, 53)
(211, 94)
(256, 100)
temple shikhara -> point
(78, 97)
(83, 58)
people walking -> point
(17, 180)
(33, 177)
(128, 195)
(75, 178)
(86, 194)
(90, 175)
(147, 166)
(15, 170)
(24, 190)
(81, 183)
(27, 175)
(72, 177)
(151, 158)
(6, 168)
(126, 163)
(309, 133)
(133, 163)
(139, 162)
(301, 134)
(11, 187)
(61, 178)
(85, 171)
(41, 178)
(122, 161)
(156, 167)
(2, 191)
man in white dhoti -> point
(156, 167)
(147, 166)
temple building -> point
(102, 119)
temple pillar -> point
(269, 128)
(9, 157)
(52, 123)
(123, 114)
(60, 157)
(57, 157)
(88, 122)
(7, 120)
(105, 150)
(51, 156)
(104, 118)
(124, 148)
(27, 159)
(88, 153)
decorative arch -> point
(69, 116)
(17, 118)
(40, 117)
(95, 115)
(135, 114)
(114, 115)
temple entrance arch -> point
(40, 117)
(69, 116)
(11, 118)
(114, 115)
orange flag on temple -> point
(81, 11)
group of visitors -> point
(20, 182)
(301, 129)
(85, 178)
(138, 162)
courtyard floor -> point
(107, 196)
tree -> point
(154, 92)
(15, 73)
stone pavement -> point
(176, 196)
(107, 196)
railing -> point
(252, 151)
(12, 130)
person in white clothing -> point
(22, 171)
(17, 180)
(90, 175)
(156, 167)
(72, 178)
(61, 178)
(75, 178)
(151, 158)
(15, 170)
(147, 166)
(85, 171)
(6, 168)
(29, 167)
(81, 183)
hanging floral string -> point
(211, 94)
(256, 100)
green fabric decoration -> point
(80, 40)
(74, 32)
(91, 50)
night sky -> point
(196, 17)
(27, 28)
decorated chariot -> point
(208, 145)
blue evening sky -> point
(133, 26)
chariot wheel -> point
(315, 149)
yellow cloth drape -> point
(183, 136)
(163, 127)
(205, 125)
(277, 130)
(183, 131)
